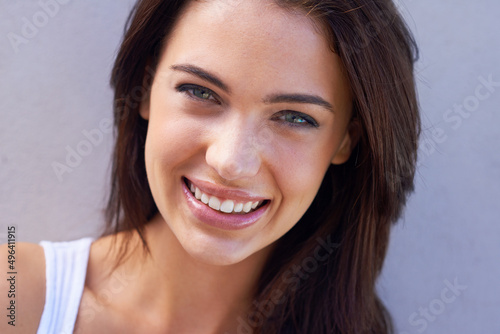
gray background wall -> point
(442, 273)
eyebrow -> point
(202, 74)
(275, 98)
(299, 98)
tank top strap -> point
(65, 270)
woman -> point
(263, 149)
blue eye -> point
(198, 92)
(294, 118)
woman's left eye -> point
(198, 92)
(295, 118)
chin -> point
(218, 251)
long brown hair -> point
(321, 275)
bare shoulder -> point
(22, 287)
(107, 288)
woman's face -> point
(248, 109)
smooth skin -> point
(277, 116)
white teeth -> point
(247, 207)
(197, 193)
(204, 198)
(214, 203)
(238, 207)
(227, 206)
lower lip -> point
(225, 221)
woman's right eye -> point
(198, 92)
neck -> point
(180, 288)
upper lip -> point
(222, 192)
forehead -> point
(256, 39)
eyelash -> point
(308, 121)
(189, 89)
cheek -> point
(169, 140)
(172, 146)
(299, 171)
(171, 136)
(298, 182)
(301, 182)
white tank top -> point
(65, 270)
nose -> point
(233, 151)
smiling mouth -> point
(227, 206)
